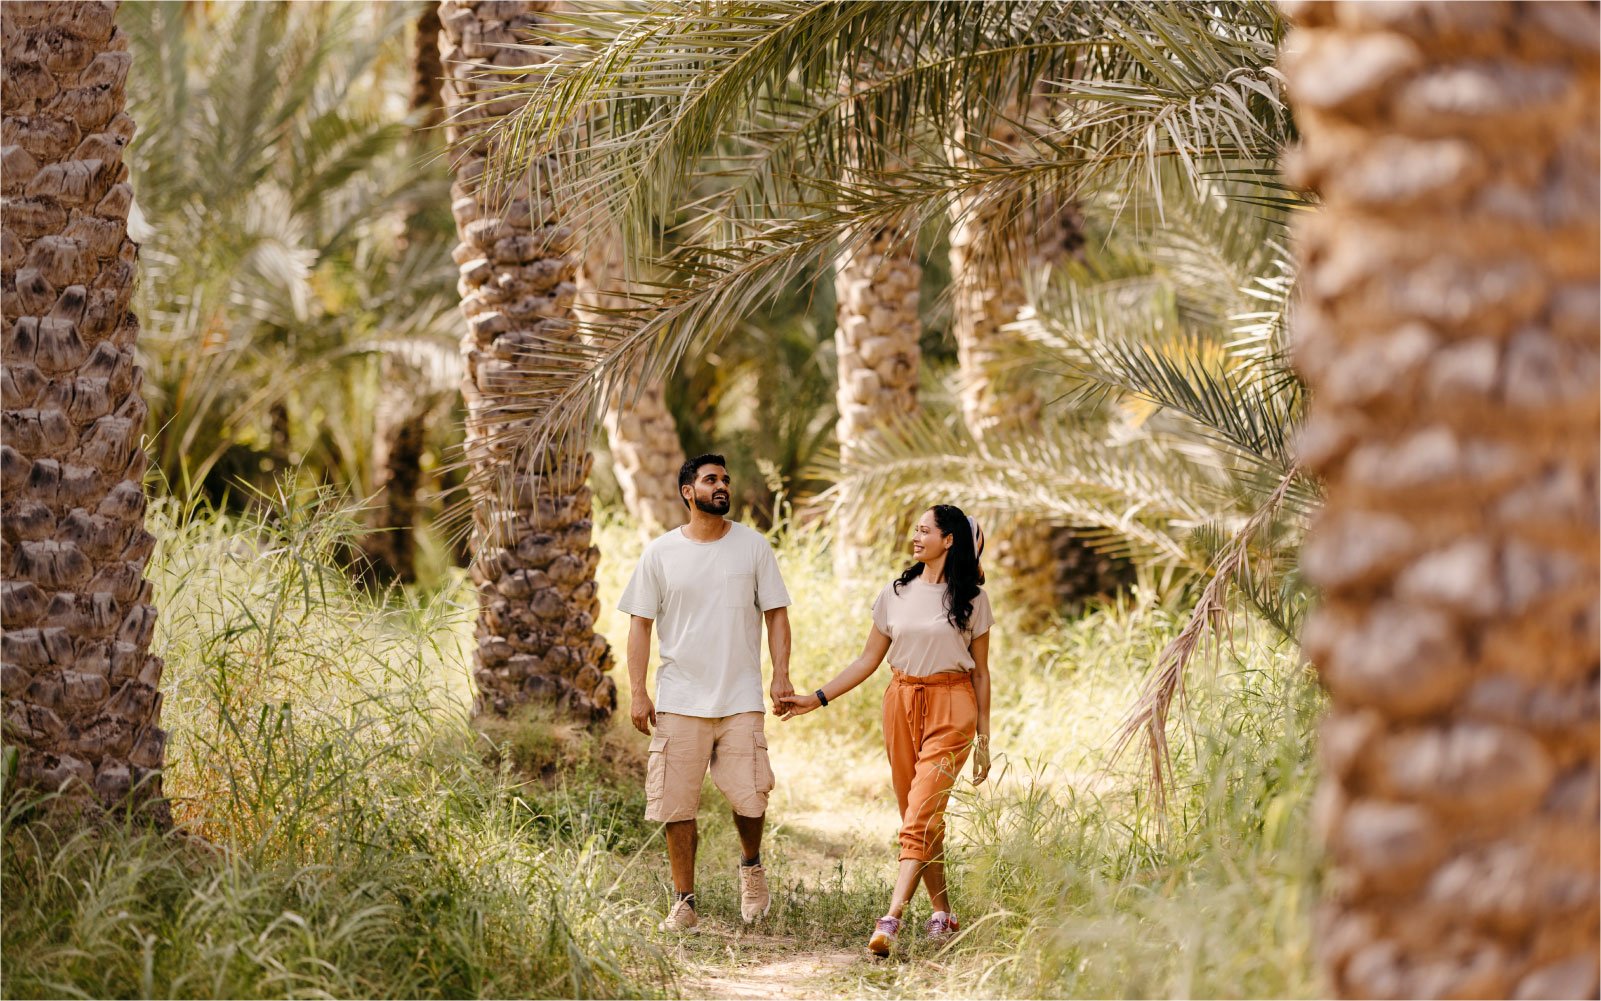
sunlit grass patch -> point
(364, 837)
(356, 842)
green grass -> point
(349, 833)
(360, 839)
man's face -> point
(711, 489)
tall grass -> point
(354, 837)
(349, 834)
(1068, 882)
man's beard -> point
(713, 506)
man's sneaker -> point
(754, 900)
(942, 927)
(883, 939)
(680, 918)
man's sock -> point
(690, 897)
(747, 863)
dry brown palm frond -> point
(1166, 682)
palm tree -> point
(82, 705)
(640, 430)
(1449, 337)
(766, 135)
(876, 342)
(992, 248)
(269, 265)
(427, 73)
(1165, 343)
(533, 561)
(419, 381)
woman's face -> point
(927, 541)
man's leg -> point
(741, 770)
(682, 840)
(750, 837)
(679, 753)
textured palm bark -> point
(640, 430)
(533, 561)
(400, 435)
(1449, 336)
(80, 686)
(877, 345)
(427, 71)
(992, 246)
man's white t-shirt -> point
(707, 599)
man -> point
(707, 586)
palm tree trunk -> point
(1449, 335)
(427, 71)
(997, 402)
(533, 561)
(400, 433)
(640, 430)
(879, 354)
(991, 245)
(82, 703)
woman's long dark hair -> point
(962, 574)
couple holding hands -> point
(706, 588)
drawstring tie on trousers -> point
(917, 714)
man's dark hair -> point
(686, 472)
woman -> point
(933, 624)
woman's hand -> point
(791, 706)
(981, 758)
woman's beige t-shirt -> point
(922, 640)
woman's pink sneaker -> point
(884, 933)
(942, 927)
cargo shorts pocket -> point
(764, 767)
(656, 770)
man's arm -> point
(778, 648)
(641, 709)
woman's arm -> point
(856, 672)
(980, 649)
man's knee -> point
(748, 806)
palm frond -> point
(1135, 497)
(743, 144)
(269, 178)
(1165, 684)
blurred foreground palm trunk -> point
(1449, 336)
(877, 341)
(640, 430)
(992, 245)
(533, 562)
(81, 688)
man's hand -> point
(643, 712)
(797, 705)
(981, 758)
(781, 689)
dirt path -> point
(726, 960)
(774, 967)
